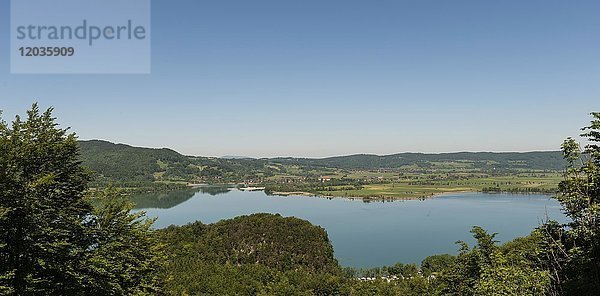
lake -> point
(368, 234)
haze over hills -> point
(236, 157)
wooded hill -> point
(546, 160)
(124, 163)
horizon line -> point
(319, 157)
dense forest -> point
(129, 166)
(123, 162)
(56, 239)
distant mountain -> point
(236, 157)
(124, 163)
(546, 160)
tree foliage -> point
(266, 239)
(126, 255)
(260, 254)
(573, 250)
(491, 270)
(52, 240)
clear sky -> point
(331, 77)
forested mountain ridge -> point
(537, 160)
(120, 162)
(124, 163)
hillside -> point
(123, 163)
(550, 160)
(136, 167)
(265, 252)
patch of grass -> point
(422, 186)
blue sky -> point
(321, 78)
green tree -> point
(437, 264)
(126, 253)
(41, 185)
(573, 250)
(487, 270)
(501, 277)
(3, 277)
(51, 238)
(462, 277)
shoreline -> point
(365, 198)
(369, 198)
(392, 198)
(295, 193)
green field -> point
(397, 176)
(413, 185)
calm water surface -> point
(369, 234)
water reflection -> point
(167, 200)
(374, 233)
(214, 189)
